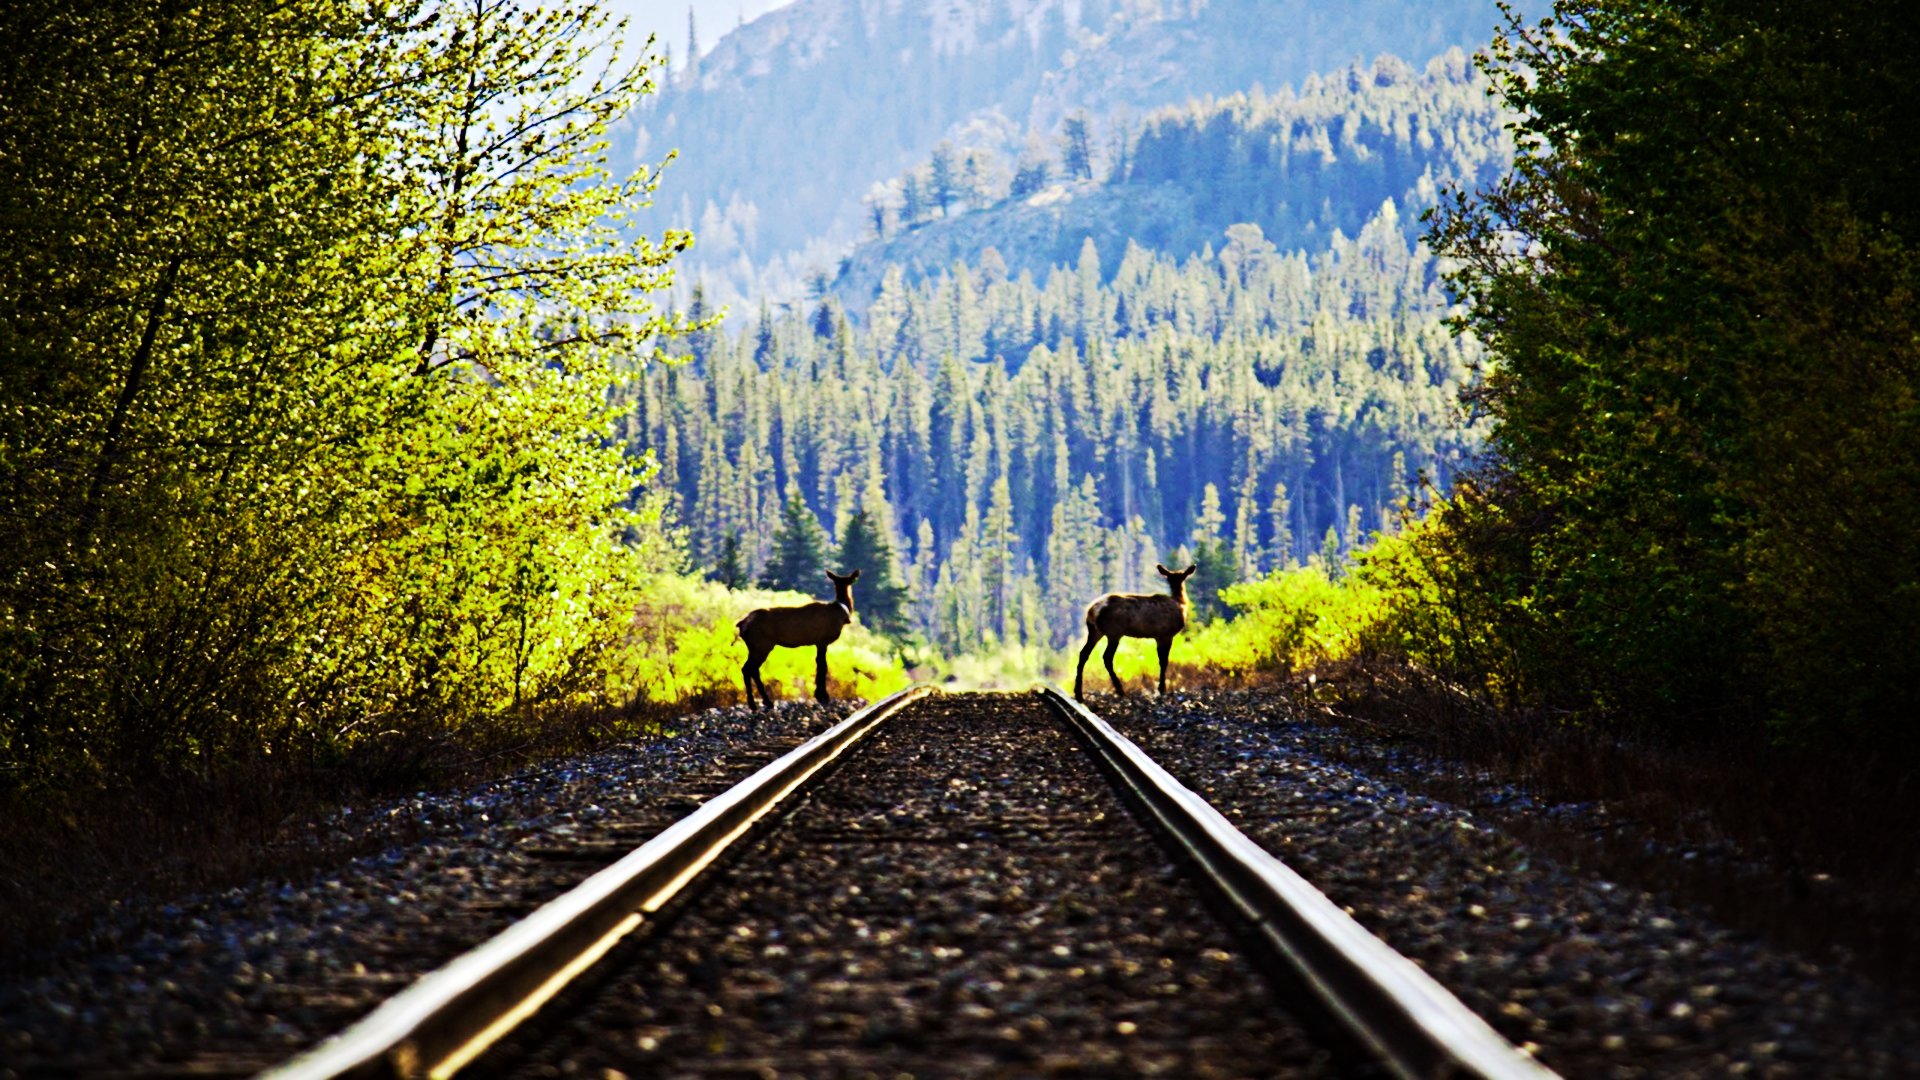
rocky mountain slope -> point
(792, 118)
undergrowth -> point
(69, 858)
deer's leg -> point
(1113, 646)
(1166, 647)
(1093, 638)
(750, 674)
(820, 674)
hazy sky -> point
(668, 18)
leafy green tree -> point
(799, 560)
(1700, 512)
(317, 424)
(882, 598)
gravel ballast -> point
(966, 896)
(1602, 979)
(1598, 978)
(228, 984)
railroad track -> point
(939, 885)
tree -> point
(1212, 556)
(882, 599)
(799, 560)
(913, 202)
(318, 423)
(1122, 153)
(943, 178)
(693, 47)
(977, 178)
(1076, 146)
(1703, 493)
(1278, 512)
(1031, 175)
(731, 568)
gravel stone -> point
(1601, 979)
(1598, 979)
(966, 896)
(228, 984)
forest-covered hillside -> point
(1022, 441)
(1302, 163)
(1041, 382)
(785, 125)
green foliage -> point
(1216, 572)
(730, 569)
(308, 316)
(1289, 620)
(1697, 287)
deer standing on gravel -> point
(1118, 615)
(817, 624)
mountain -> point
(1304, 165)
(793, 118)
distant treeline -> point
(1024, 444)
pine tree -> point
(943, 180)
(883, 598)
(1281, 545)
(693, 48)
(799, 559)
(731, 568)
(1213, 557)
(763, 339)
(1076, 147)
(1031, 174)
(913, 200)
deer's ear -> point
(855, 576)
(1188, 572)
(1164, 572)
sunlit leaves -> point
(311, 312)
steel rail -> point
(1385, 1002)
(451, 1015)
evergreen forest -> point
(1020, 443)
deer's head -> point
(1177, 580)
(843, 589)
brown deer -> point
(816, 624)
(1118, 615)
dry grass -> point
(1814, 849)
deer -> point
(817, 624)
(1140, 615)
